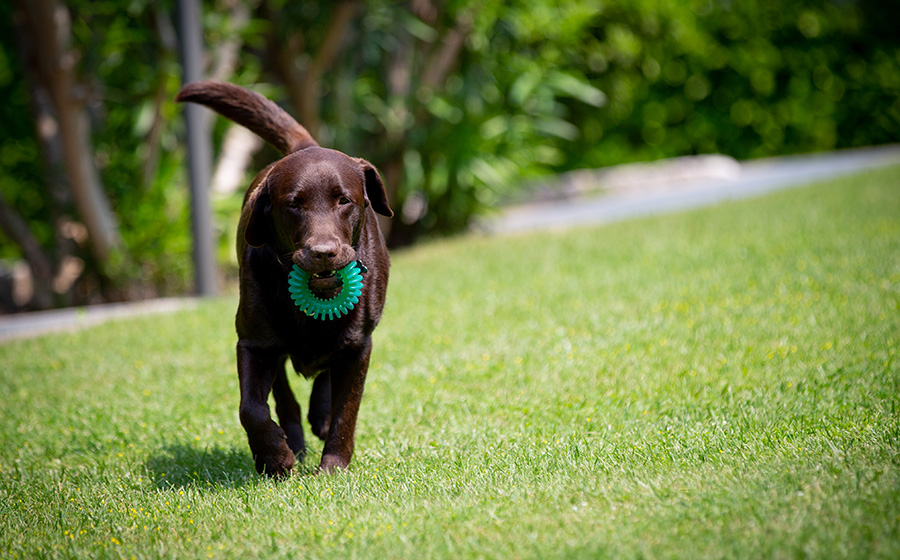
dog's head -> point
(311, 206)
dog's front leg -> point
(268, 443)
(348, 377)
(288, 411)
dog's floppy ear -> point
(258, 229)
(375, 189)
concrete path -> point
(27, 325)
(708, 185)
(627, 192)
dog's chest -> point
(308, 369)
(312, 346)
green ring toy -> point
(341, 304)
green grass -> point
(717, 383)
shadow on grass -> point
(211, 468)
(208, 468)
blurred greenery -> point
(457, 102)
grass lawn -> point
(716, 383)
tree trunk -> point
(46, 26)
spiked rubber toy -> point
(327, 309)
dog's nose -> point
(324, 255)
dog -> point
(314, 208)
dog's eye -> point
(343, 201)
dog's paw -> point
(277, 464)
(331, 464)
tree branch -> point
(304, 84)
(227, 52)
(284, 55)
(16, 228)
(442, 62)
(331, 46)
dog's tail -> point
(251, 110)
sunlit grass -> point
(718, 383)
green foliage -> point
(21, 170)
(130, 75)
(131, 64)
(544, 87)
(719, 383)
(747, 79)
(498, 118)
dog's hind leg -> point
(289, 416)
(320, 405)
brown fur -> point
(315, 208)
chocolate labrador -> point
(314, 208)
